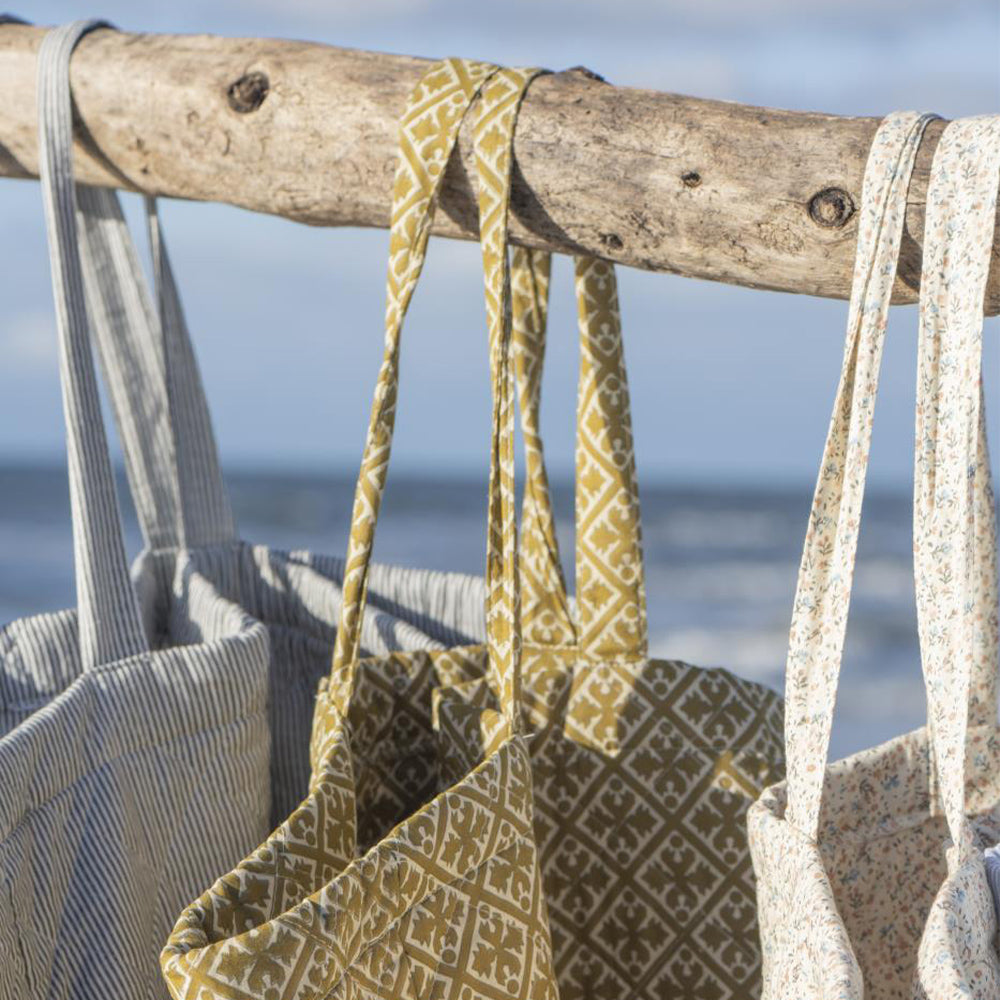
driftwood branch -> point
(732, 193)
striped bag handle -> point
(954, 515)
(152, 377)
(153, 381)
(110, 626)
(207, 515)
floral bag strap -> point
(822, 597)
(953, 516)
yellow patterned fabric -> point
(643, 769)
(545, 614)
(390, 881)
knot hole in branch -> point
(831, 208)
(248, 92)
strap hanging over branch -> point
(728, 192)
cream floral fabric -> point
(860, 893)
(956, 607)
(643, 769)
(388, 881)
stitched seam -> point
(21, 950)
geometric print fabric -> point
(643, 769)
(643, 773)
(389, 881)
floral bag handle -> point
(823, 594)
(954, 519)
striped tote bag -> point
(187, 521)
(387, 881)
(183, 507)
(174, 475)
(644, 769)
(870, 870)
(114, 752)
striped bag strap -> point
(428, 132)
(207, 515)
(153, 381)
(110, 625)
(954, 516)
(152, 378)
(822, 598)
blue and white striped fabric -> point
(111, 816)
(992, 857)
(173, 470)
(150, 738)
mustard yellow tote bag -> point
(388, 881)
(644, 769)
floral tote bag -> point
(870, 870)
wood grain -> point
(727, 192)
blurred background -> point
(731, 388)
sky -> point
(728, 384)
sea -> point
(721, 564)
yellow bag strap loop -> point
(427, 135)
(545, 615)
(494, 140)
(610, 582)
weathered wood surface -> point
(708, 189)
